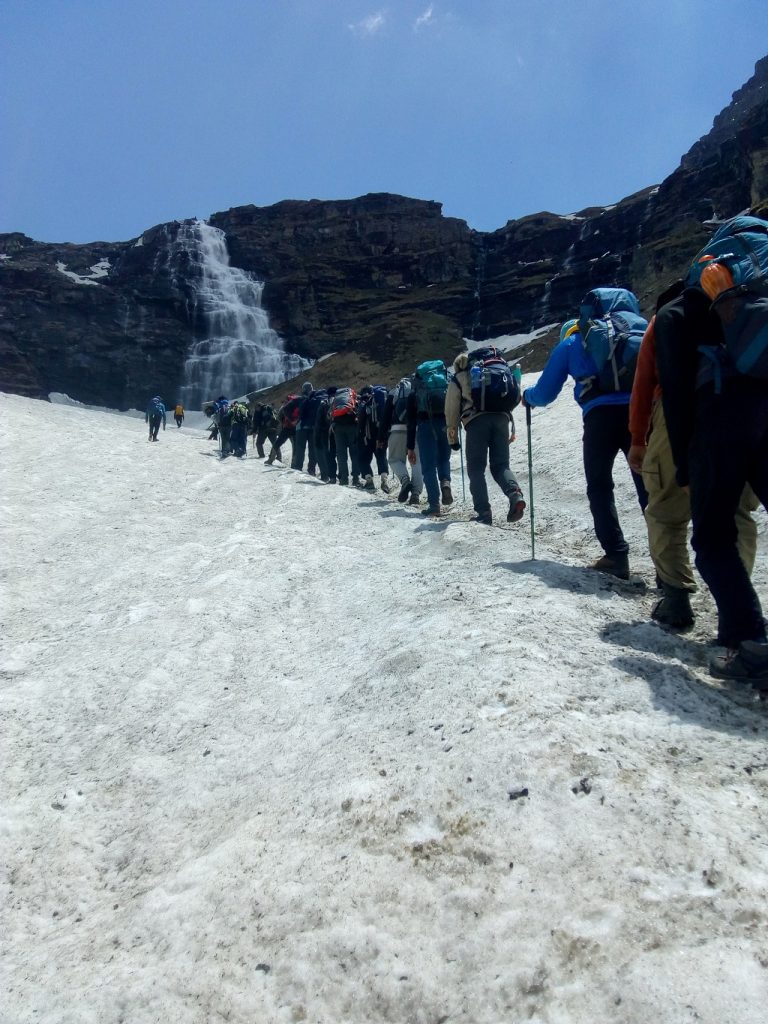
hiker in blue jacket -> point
(154, 416)
(606, 433)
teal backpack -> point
(741, 246)
(430, 383)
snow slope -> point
(267, 745)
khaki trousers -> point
(669, 513)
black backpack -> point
(495, 387)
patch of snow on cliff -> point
(508, 342)
(100, 269)
(4, 256)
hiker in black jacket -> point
(367, 437)
(325, 442)
(718, 432)
(265, 428)
(305, 428)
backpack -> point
(311, 405)
(399, 397)
(290, 411)
(492, 380)
(265, 416)
(378, 401)
(239, 412)
(737, 254)
(430, 382)
(344, 403)
(156, 408)
(611, 329)
(179, 410)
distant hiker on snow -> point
(219, 412)
(288, 414)
(264, 425)
(324, 441)
(305, 428)
(238, 432)
(425, 418)
(668, 512)
(712, 354)
(178, 414)
(154, 416)
(370, 416)
(599, 351)
(343, 412)
(393, 439)
(481, 396)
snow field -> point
(266, 742)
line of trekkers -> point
(684, 398)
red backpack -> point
(290, 411)
(344, 403)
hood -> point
(461, 362)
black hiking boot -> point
(431, 510)
(674, 609)
(516, 507)
(356, 481)
(369, 484)
(414, 500)
(484, 518)
(747, 664)
(405, 490)
(446, 495)
(385, 487)
(615, 565)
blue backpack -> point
(377, 404)
(740, 245)
(494, 385)
(156, 408)
(611, 329)
(430, 382)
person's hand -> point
(452, 435)
(525, 403)
(380, 445)
(412, 456)
(636, 457)
(512, 437)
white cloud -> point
(369, 25)
(424, 19)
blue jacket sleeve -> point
(551, 381)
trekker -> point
(178, 414)
(712, 354)
(370, 416)
(481, 396)
(288, 414)
(393, 439)
(425, 421)
(265, 426)
(668, 511)
(325, 442)
(305, 428)
(604, 407)
(220, 414)
(238, 434)
(154, 416)
(344, 427)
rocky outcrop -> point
(372, 285)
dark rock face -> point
(382, 281)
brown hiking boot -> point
(614, 565)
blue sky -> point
(119, 114)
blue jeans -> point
(435, 456)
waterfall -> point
(240, 352)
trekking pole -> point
(461, 456)
(530, 480)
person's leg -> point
(343, 436)
(729, 448)
(476, 453)
(498, 454)
(427, 441)
(600, 447)
(261, 436)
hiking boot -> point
(431, 510)
(445, 492)
(614, 565)
(270, 460)
(674, 609)
(332, 480)
(356, 481)
(324, 479)
(516, 507)
(746, 664)
(484, 518)
(369, 484)
(414, 500)
(385, 483)
(405, 490)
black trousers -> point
(265, 434)
(729, 449)
(606, 433)
(488, 444)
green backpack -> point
(430, 384)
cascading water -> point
(240, 352)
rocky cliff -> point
(373, 284)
